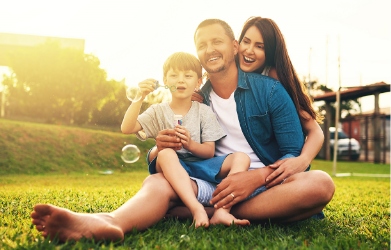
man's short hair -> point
(182, 61)
(226, 27)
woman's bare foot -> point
(222, 216)
(54, 221)
(200, 217)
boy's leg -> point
(143, 210)
(168, 163)
(233, 163)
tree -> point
(346, 108)
(56, 83)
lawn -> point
(42, 163)
(358, 217)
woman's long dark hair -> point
(277, 56)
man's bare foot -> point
(200, 217)
(222, 216)
(67, 225)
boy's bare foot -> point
(200, 217)
(67, 225)
(222, 216)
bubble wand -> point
(172, 87)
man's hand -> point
(167, 139)
(197, 97)
(240, 185)
(284, 169)
(184, 135)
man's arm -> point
(165, 139)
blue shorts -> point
(206, 189)
(205, 170)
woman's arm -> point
(310, 149)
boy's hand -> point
(184, 135)
(145, 87)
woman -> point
(262, 50)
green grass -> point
(357, 218)
(36, 167)
(31, 148)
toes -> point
(34, 215)
(40, 228)
(43, 209)
(37, 222)
(242, 222)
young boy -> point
(198, 133)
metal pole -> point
(327, 58)
(337, 113)
(309, 73)
(336, 133)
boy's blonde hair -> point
(182, 61)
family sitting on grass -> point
(237, 157)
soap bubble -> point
(131, 94)
(185, 237)
(130, 153)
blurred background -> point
(70, 62)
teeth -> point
(249, 59)
(213, 59)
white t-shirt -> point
(225, 110)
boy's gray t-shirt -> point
(200, 121)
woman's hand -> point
(284, 169)
(235, 188)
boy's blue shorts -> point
(204, 170)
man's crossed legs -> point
(301, 196)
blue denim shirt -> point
(267, 117)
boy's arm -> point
(205, 150)
(130, 124)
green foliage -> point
(28, 148)
(56, 83)
(347, 106)
(357, 217)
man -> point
(301, 195)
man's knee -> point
(157, 182)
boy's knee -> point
(242, 157)
(166, 152)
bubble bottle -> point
(178, 120)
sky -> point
(132, 39)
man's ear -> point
(165, 80)
(199, 83)
(236, 47)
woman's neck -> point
(180, 106)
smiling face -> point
(215, 50)
(186, 81)
(252, 50)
